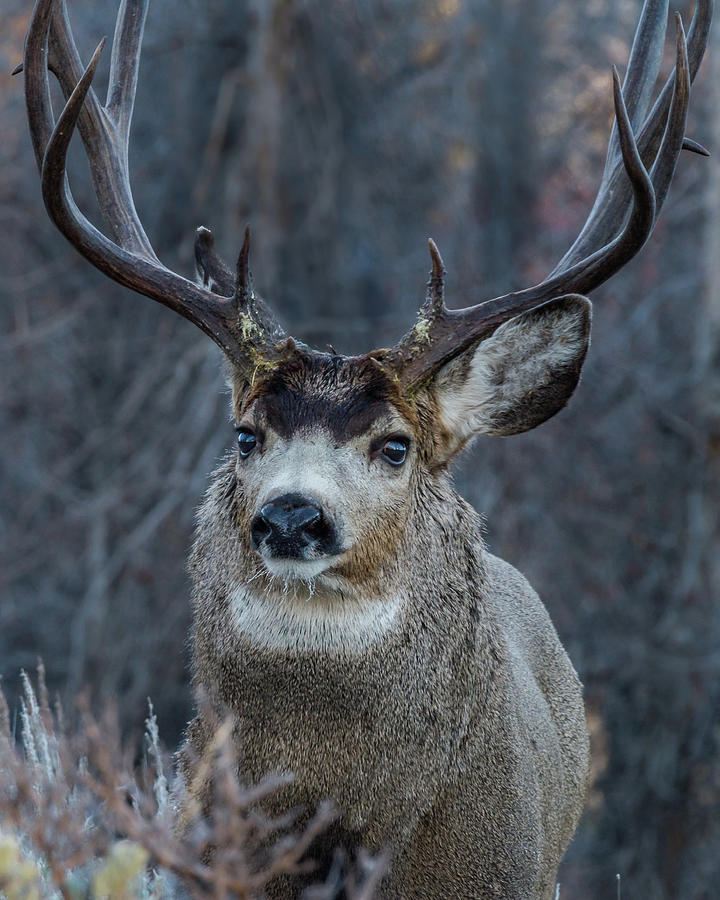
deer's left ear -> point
(517, 378)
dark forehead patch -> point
(345, 396)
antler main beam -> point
(236, 320)
(641, 161)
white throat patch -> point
(321, 624)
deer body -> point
(426, 693)
(449, 736)
(346, 611)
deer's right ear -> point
(521, 375)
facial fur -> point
(320, 513)
(320, 423)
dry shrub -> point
(81, 817)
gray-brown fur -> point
(457, 738)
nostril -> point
(316, 529)
(260, 528)
(307, 519)
(272, 514)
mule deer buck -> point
(346, 611)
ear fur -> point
(521, 375)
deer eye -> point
(394, 451)
(246, 442)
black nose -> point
(291, 525)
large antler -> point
(226, 307)
(642, 155)
(641, 160)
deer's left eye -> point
(246, 442)
(394, 451)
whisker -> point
(256, 575)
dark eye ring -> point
(394, 451)
(246, 442)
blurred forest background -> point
(347, 132)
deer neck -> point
(403, 650)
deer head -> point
(331, 448)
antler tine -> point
(584, 276)
(694, 147)
(215, 274)
(651, 133)
(435, 301)
(243, 286)
(644, 61)
(105, 130)
(124, 64)
(672, 142)
(247, 301)
(614, 194)
(641, 74)
(37, 86)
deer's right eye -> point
(246, 442)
